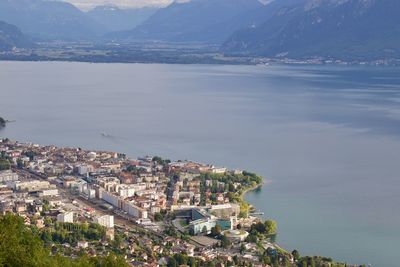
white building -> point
(125, 190)
(106, 221)
(134, 210)
(91, 193)
(66, 217)
(235, 236)
(7, 176)
(48, 192)
(82, 169)
(111, 198)
(34, 185)
(218, 170)
(83, 244)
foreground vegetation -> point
(21, 245)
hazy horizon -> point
(86, 5)
(90, 4)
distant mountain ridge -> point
(208, 21)
(341, 29)
(49, 19)
(352, 29)
(11, 36)
(114, 18)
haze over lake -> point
(327, 138)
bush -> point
(4, 164)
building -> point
(111, 198)
(7, 176)
(235, 236)
(205, 225)
(91, 193)
(80, 186)
(83, 244)
(125, 190)
(32, 186)
(134, 210)
(83, 169)
(125, 205)
(48, 192)
(203, 220)
(106, 221)
(66, 217)
(218, 170)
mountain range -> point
(207, 21)
(49, 20)
(11, 36)
(113, 18)
(350, 29)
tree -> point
(30, 154)
(192, 262)
(181, 259)
(46, 237)
(172, 262)
(252, 238)
(47, 220)
(20, 163)
(2, 122)
(266, 259)
(225, 243)
(236, 259)
(216, 230)
(118, 240)
(312, 262)
(110, 260)
(161, 161)
(242, 248)
(4, 164)
(231, 187)
(158, 217)
(20, 245)
(244, 209)
(296, 255)
(243, 214)
(271, 227)
(259, 227)
(204, 230)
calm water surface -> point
(327, 138)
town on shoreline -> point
(149, 211)
(169, 53)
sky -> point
(87, 4)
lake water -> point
(326, 138)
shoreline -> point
(242, 198)
(238, 62)
(250, 189)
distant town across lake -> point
(326, 137)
